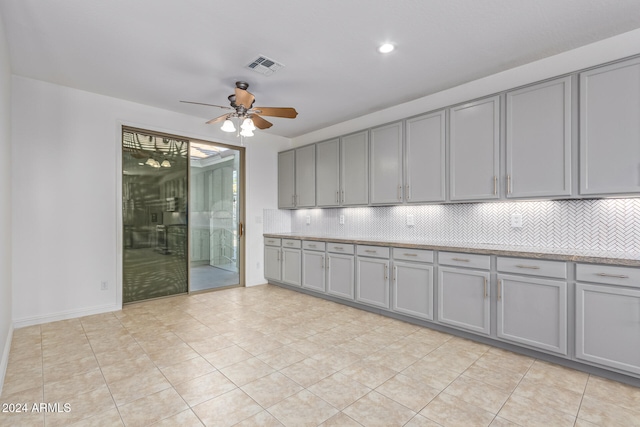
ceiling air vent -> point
(264, 65)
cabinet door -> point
(286, 179)
(386, 164)
(354, 167)
(608, 326)
(340, 275)
(463, 299)
(413, 289)
(425, 159)
(292, 266)
(533, 312)
(372, 281)
(475, 150)
(313, 270)
(272, 266)
(539, 140)
(328, 173)
(305, 177)
(610, 129)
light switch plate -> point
(410, 221)
(516, 220)
(341, 219)
(308, 219)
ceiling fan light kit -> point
(249, 117)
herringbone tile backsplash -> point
(598, 224)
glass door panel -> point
(214, 216)
(154, 212)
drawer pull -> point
(290, 243)
(312, 246)
(338, 248)
(617, 276)
(532, 267)
(370, 251)
(410, 254)
(461, 259)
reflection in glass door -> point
(214, 207)
(154, 213)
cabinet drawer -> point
(465, 260)
(612, 275)
(291, 243)
(533, 267)
(373, 251)
(419, 255)
(271, 241)
(340, 248)
(313, 246)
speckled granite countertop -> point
(628, 259)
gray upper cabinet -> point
(305, 195)
(610, 129)
(386, 164)
(286, 179)
(328, 173)
(474, 146)
(538, 139)
(425, 158)
(354, 168)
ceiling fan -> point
(242, 107)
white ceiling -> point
(157, 52)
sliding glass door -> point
(181, 215)
(214, 216)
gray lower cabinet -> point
(463, 299)
(385, 164)
(413, 289)
(372, 281)
(533, 312)
(354, 169)
(538, 140)
(313, 270)
(424, 168)
(272, 263)
(328, 173)
(474, 150)
(610, 129)
(292, 266)
(608, 326)
(340, 275)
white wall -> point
(610, 49)
(67, 195)
(5, 204)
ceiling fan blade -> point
(210, 105)
(260, 122)
(288, 113)
(217, 119)
(244, 98)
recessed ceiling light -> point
(386, 48)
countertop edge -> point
(525, 253)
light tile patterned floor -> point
(266, 356)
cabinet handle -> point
(278, 255)
(532, 267)
(386, 272)
(400, 192)
(461, 259)
(328, 262)
(370, 251)
(342, 196)
(312, 246)
(338, 248)
(617, 276)
(337, 196)
(290, 243)
(485, 287)
(410, 254)
(293, 200)
(395, 273)
(408, 193)
(322, 262)
(495, 184)
(499, 289)
(509, 184)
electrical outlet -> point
(341, 219)
(516, 220)
(104, 285)
(410, 221)
(308, 219)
